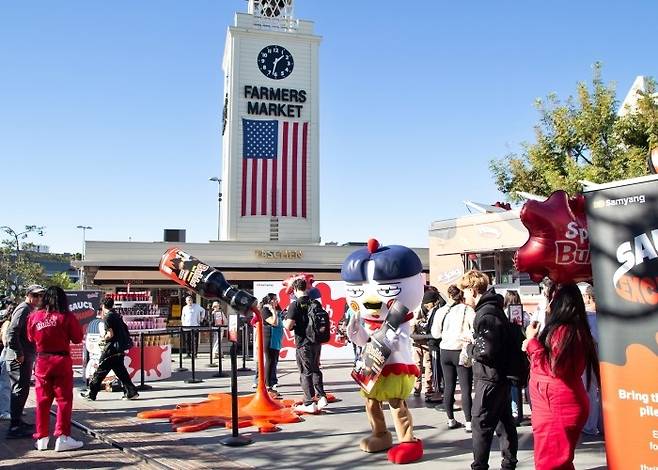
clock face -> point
(275, 62)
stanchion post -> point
(142, 386)
(210, 354)
(193, 380)
(245, 340)
(180, 351)
(234, 440)
(220, 372)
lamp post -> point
(84, 229)
(219, 200)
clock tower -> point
(270, 146)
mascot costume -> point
(379, 278)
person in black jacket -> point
(492, 388)
(112, 358)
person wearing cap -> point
(20, 357)
(423, 348)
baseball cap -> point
(35, 289)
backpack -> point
(517, 363)
(318, 328)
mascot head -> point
(377, 275)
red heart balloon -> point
(558, 246)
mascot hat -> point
(391, 262)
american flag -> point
(274, 168)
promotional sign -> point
(623, 226)
(83, 304)
(333, 301)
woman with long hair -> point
(558, 357)
(272, 338)
(52, 329)
(453, 324)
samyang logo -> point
(622, 201)
(642, 290)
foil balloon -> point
(558, 246)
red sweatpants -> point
(54, 376)
(559, 412)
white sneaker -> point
(322, 403)
(254, 386)
(467, 425)
(311, 409)
(42, 444)
(275, 387)
(5, 416)
(64, 443)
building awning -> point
(109, 276)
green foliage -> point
(17, 273)
(61, 280)
(581, 138)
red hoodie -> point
(53, 331)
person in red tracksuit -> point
(558, 358)
(52, 329)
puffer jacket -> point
(491, 334)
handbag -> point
(464, 359)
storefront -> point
(131, 268)
(486, 241)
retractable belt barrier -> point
(184, 332)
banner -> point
(623, 231)
(333, 301)
(83, 304)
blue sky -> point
(110, 112)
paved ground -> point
(328, 441)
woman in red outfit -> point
(52, 329)
(558, 358)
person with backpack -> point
(453, 325)
(490, 353)
(422, 351)
(311, 326)
(52, 330)
(559, 356)
(117, 341)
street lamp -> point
(84, 229)
(219, 199)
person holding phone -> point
(559, 356)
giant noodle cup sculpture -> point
(259, 409)
(558, 246)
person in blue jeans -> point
(5, 386)
(272, 338)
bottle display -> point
(203, 279)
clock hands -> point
(276, 61)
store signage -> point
(623, 230)
(269, 101)
(280, 254)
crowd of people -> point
(36, 336)
(467, 338)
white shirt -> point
(457, 322)
(192, 315)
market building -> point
(269, 214)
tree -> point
(582, 138)
(17, 270)
(62, 280)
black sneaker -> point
(454, 424)
(132, 396)
(87, 396)
(20, 431)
